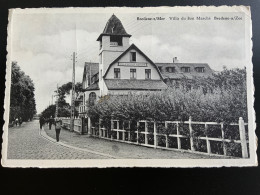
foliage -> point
(63, 111)
(22, 100)
(65, 90)
(220, 98)
(63, 106)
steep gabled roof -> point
(137, 49)
(128, 84)
(114, 27)
(178, 73)
(90, 67)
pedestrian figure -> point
(58, 124)
(42, 121)
(16, 122)
(20, 121)
(51, 121)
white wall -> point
(140, 71)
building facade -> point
(124, 68)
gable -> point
(142, 62)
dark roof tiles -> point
(93, 86)
(178, 73)
(128, 84)
(114, 27)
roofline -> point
(137, 89)
(91, 89)
(178, 63)
(135, 47)
(107, 34)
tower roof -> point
(114, 27)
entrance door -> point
(84, 122)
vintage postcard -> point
(129, 87)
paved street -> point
(27, 142)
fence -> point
(196, 137)
(77, 124)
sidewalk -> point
(120, 150)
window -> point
(117, 73)
(185, 69)
(88, 80)
(160, 68)
(132, 56)
(170, 69)
(100, 58)
(132, 73)
(92, 98)
(100, 44)
(147, 73)
(200, 69)
(115, 41)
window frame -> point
(170, 69)
(92, 98)
(148, 72)
(133, 72)
(117, 72)
(200, 68)
(183, 69)
(131, 56)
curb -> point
(43, 134)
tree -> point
(22, 100)
(63, 106)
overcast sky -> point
(42, 44)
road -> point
(27, 142)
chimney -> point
(175, 60)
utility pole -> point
(57, 101)
(72, 114)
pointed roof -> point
(90, 67)
(133, 46)
(114, 27)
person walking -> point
(51, 121)
(20, 121)
(58, 124)
(16, 122)
(42, 121)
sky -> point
(42, 44)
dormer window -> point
(132, 56)
(200, 69)
(170, 69)
(185, 69)
(115, 41)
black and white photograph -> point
(129, 87)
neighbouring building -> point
(174, 72)
(124, 68)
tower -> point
(113, 41)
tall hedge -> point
(220, 98)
